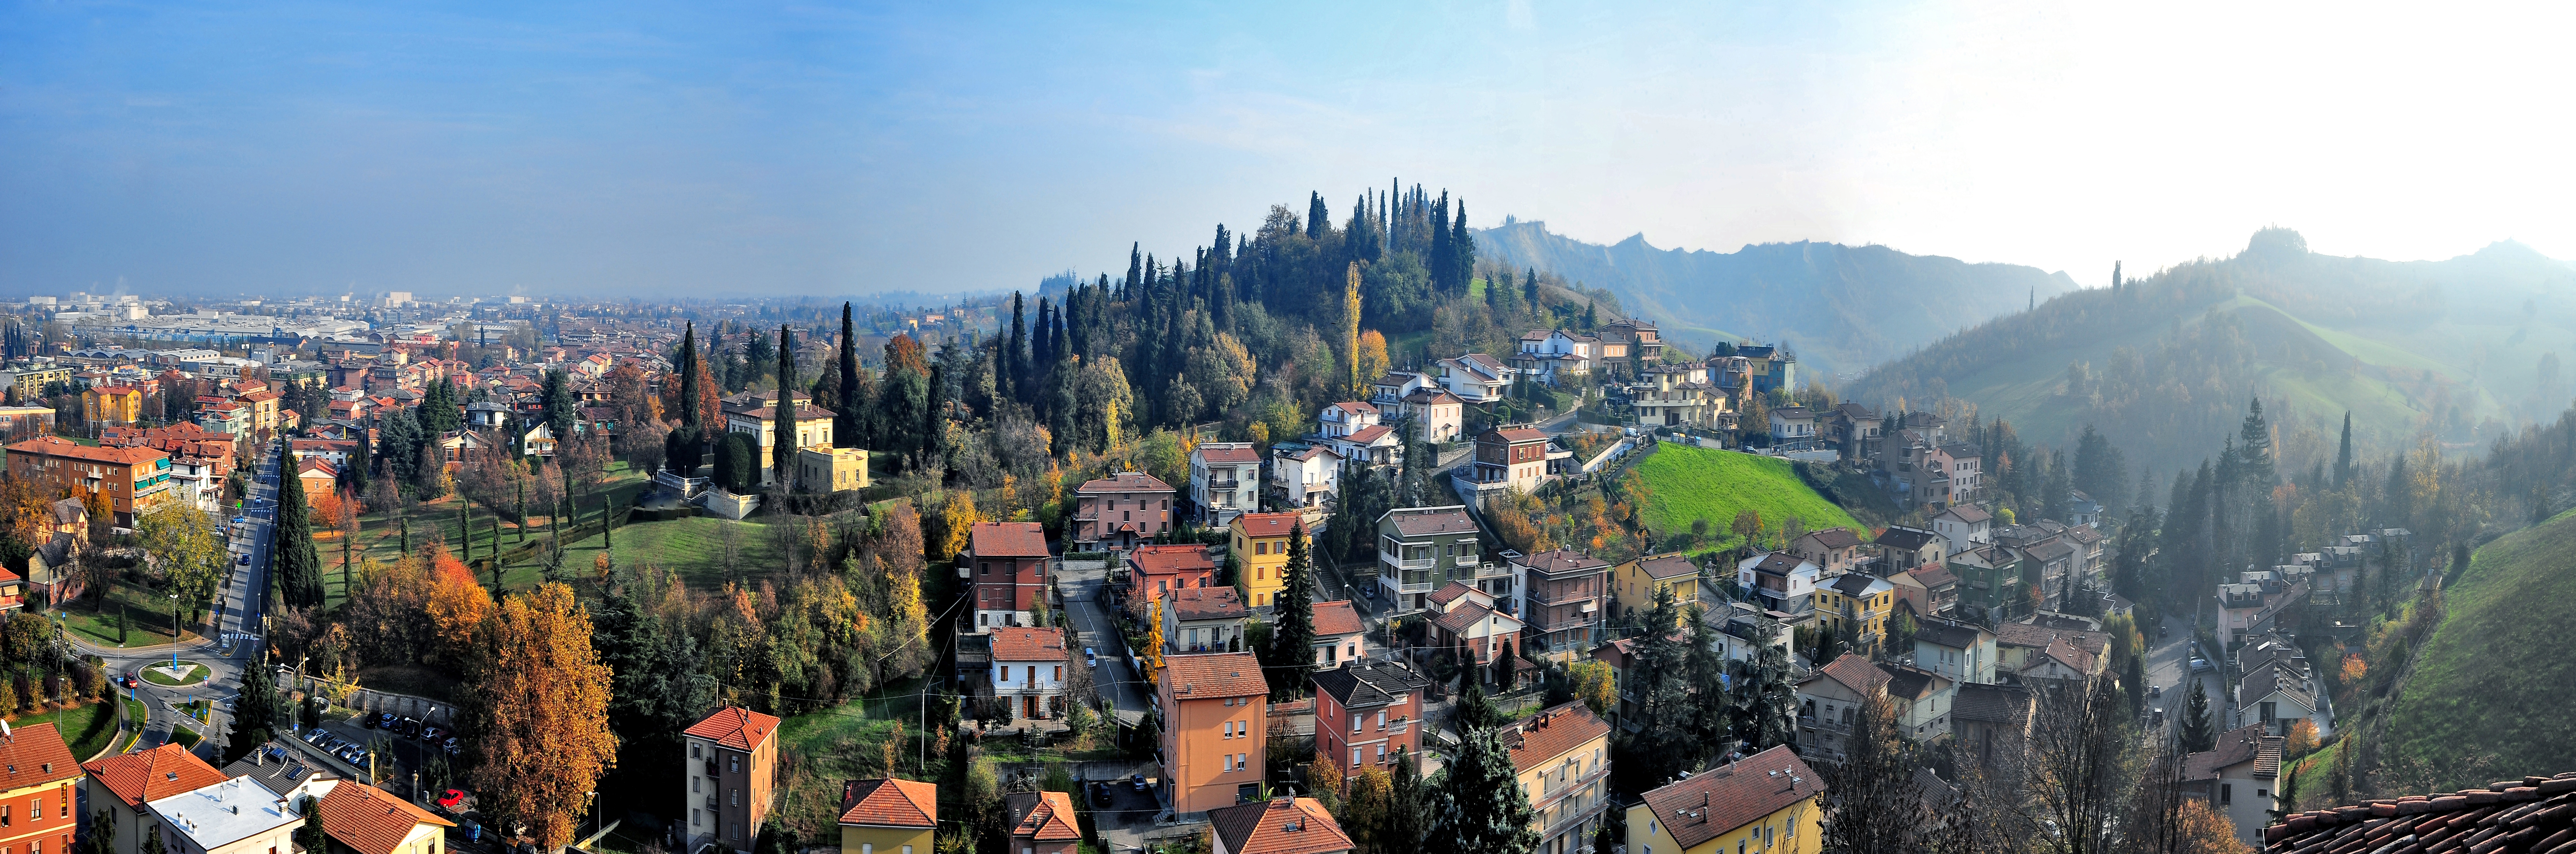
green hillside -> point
(2466, 347)
(1688, 483)
(2493, 680)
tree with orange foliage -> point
(2207, 831)
(538, 717)
(457, 608)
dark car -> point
(1137, 781)
(1100, 793)
(408, 727)
(385, 720)
(245, 559)
(368, 721)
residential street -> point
(2169, 664)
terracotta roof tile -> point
(737, 728)
(368, 819)
(1125, 481)
(1367, 684)
(1714, 802)
(1267, 524)
(1539, 739)
(1336, 618)
(1207, 603)
(1049, 818)
(2526, 814)
(1222, 674)
(1167, 560)
(1278, 826)
(150, 775)
(1028, 644)
(1007, 539)
(890, 803)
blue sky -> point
(694, 149)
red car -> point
(451, 798)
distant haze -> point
(684, 149)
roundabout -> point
(186, 674)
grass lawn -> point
(1690, 483)
(148, 616)
(380, 534)
(183, 736)
(88, 728)
(195, 673)
(2491, 680)
(693, 546)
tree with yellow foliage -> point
(1357, 383)
(1373, 360)
(538, 715)
(957, 518)
(1153, 640)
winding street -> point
(235, 640)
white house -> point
(1396, 385)
(1475, 377)
(1554, 354)
(1959, 652)
(2277, 695)
(1965, 526)
(1028, 671)
(236, 816)
(1780, 581)
(1793, 426)
(1343, 419)
(1225, 480)
(1307, 476)
(1436, 415)
(1376, 444)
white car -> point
(2200, 665)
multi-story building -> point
(1465, 622)
(1964, 526)
(1564, 597)
(134, 479)
(1793, 428)
(1215, 712)
(1337, 633)
(733, 759)
(112, 404)
(1028, 672)
(1856, 605)
(1120, 511)
(121, 785)
(1771, 796)
(1772, 368)
(38, 783)
(1991, 584)
(19, 422)
(2236, 776)
(1676, 394)
(1516, 458)
(1340, 420)
(1368, 713)
(1555, 356)
(1281, 825)
(1635, 584)
(1005, 564)
(1901, 548)
(1156, 571)
(1436, 415)
(1961, 652)
(1421, 548)
(1260, 541)
(1305, 476)
(1834, 551)
(888, 816)
(1852, 429)
(1225, 480)
(1474, 378)
(830, 469)
(1561, 756)
(1630, 340)
(1041, 823)
(236, 816)
(1204, 619)
(368, 820)
(755, 414)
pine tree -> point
(782, 460)
(2198, 732)
(1292, 642)
(1479, 805)
(298, 564)
(1766, 697)
(254, 711)
(1409, 814)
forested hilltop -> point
(2459, 348)
(1841, 308)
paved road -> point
(236, 642)
(1095, 628)
(2169, 664)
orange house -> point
(36, 791)
(1215, 711)
(135, 479)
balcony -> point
(1417, 563)
(711, 768)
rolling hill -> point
(1840, 308)
(2491, 680)
(2164, 365)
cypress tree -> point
(782, 458)
(299, 566)
(1318, 217)
(1292, 642)
(2343, 457)
(845, 414)
(1013, 365)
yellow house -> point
(113, 404)
(1856, 605)
(1769, 802)
(829, 469)
(1633, 585)
(1261, 543)
(1562, 758)
(888, 816)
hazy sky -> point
(696, 148)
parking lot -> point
(347, 742)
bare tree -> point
(2081, 766)
(1875, 805)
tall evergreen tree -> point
(1014, 361)
(1766, 693)
(1318, 217)
(298, 565)
(2199, 732)
(255, 712)
(1292, 641)
(1480, 806)
(559, 403)
(2343, 456)
(1408, 810)
(845, 405)
(782, 461)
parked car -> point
(385, 720)
(2155, 691)
(368, 721)
(1100, 793)
(244, 561)
(409, 728)
(2199, 665)
(1137, 781)
(432, 734)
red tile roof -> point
(1027, 644)
(1266, 524)
(150, 775)
(60, 447)
(1539, 739)
(1229, 454)
(1221, 674)
(1125, 481)
(1007, 539)
(737, 728)
(2525, 814)
(368, 819)
(890, 803)
(1857, 673)
(1519, 435)
(1167, 560)
(1715, 802)
(35, 755)
(1207, 603)
(1336, 618)
(1278, 826)
(1051, 820)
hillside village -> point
(1403, 530)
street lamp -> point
(174, 636)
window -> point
(867, 848)
(696, 817)
(737, 764)
(2226, 793)
(1006, 673)
(736, 797)
(1059, 673)
(1355, 757)
(693, 783)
